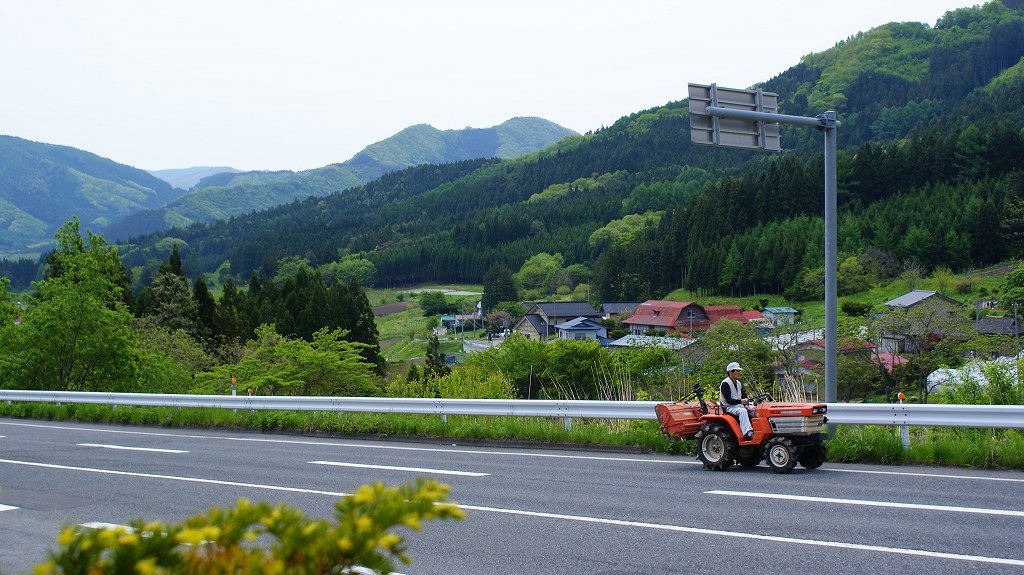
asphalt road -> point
(529, 511)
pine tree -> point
(499, 286)
(437, 364)
(206, 307)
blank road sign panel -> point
(713, 131)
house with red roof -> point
(684, 317)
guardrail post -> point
(568, 423)
(904, 429)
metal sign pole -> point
(750, 133)
(831, 256)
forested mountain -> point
(221, 196)
(43, 185)
(929, 174)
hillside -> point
(44, 185)
(928, 160)
(224, 195)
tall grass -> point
(980, 448)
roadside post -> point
(749, 119)
(904, 429)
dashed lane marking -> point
(393, 468)
(127, 448)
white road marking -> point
(500, 453)
(869, 503)
(125, 448)
(910, 474)
(363, 445)
(7, 507)
(580, 518)
(176, 478)
(741, 535)
(101, 525)
(393, 468)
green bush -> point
(260, 537)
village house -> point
(780, 315)
(612, 308)
(542, 317)
(582, 328)
(654, 341)
(684, 317)
(923, 311)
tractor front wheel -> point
(780, 455)
(716, 448)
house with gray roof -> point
(923, 311)
(610, 308)
(542, 317)
(999, 326)
(918, 297)
(582, 328)
(634, 340)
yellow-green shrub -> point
(252, 538)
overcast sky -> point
(299, 84)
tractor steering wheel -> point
(757, 399)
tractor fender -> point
(729, 421)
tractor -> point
(785, 433)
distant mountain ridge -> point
(225, 195)
(43, 185)
(186, 178)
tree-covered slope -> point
(895, 78)
(43, 185)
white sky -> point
(299, 84)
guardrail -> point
(924, 415)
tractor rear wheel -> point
(780, 455)
(813, 456)
(716, 447)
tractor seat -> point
(721, 408)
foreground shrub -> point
(261, 538)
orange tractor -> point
(784, 433)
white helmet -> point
(734, 366)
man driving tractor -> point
(733, 396)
